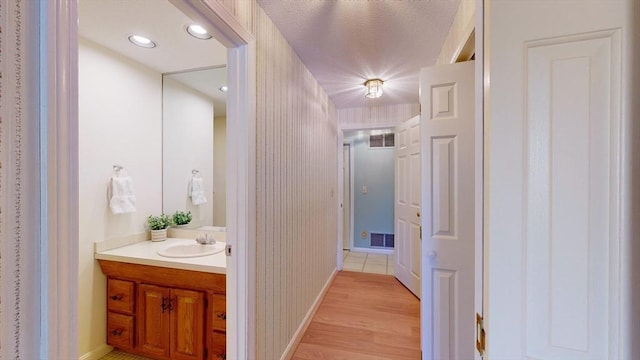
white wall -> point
(220, 171)
(187, 145)
(119, 123)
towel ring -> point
(194, 172)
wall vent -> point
(382, 141)
(382, 240)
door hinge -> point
(480, 335)
(227, 250)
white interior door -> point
(448, 158)
(407, 205)
(346, 198)
(554, 178)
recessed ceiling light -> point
(198, 32)
(223, 88)
(142, 41)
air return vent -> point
(382, 140)
(382, 240)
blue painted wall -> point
(373, 212)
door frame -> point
(350, 143)
(339, 144)
(59, 104)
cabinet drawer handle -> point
(117, 332)
(222, 316)
(117, 297)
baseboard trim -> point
(97, 353)
(297, 336)
(373, 250)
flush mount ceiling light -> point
(198, 32)
(374, 88)
(142, 41)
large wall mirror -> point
(194, 144)
(176, 119)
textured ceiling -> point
(345, 42)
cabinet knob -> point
(222, 315)
(117, 297)
(117, 332)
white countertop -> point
(146, 253)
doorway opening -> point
(368, 200)
(240, 208)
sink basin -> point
(191, 250)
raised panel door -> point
(154, 320)
(187, 324)
(407, 205)
(555, 164)
(448, 203)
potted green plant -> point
(181, 218)
(158, 226)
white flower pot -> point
(159, 235)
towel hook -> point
(194, 172)
(117, 168)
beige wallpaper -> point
(354, 118)
(296, 158)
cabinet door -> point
(154, 320)
(187, 318)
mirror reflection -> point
(194, 145)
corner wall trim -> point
(297, 336)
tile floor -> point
(367, 262)
(121, 355)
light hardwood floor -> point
(363, 317)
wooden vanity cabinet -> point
(165, 313)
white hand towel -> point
(197, 191)
(123, 198)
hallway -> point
(364, 316)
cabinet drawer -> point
(121, 296)
(218, 349)
(219, 316)
(120, 331)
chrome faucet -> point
(205, 239)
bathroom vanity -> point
(165, 308)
